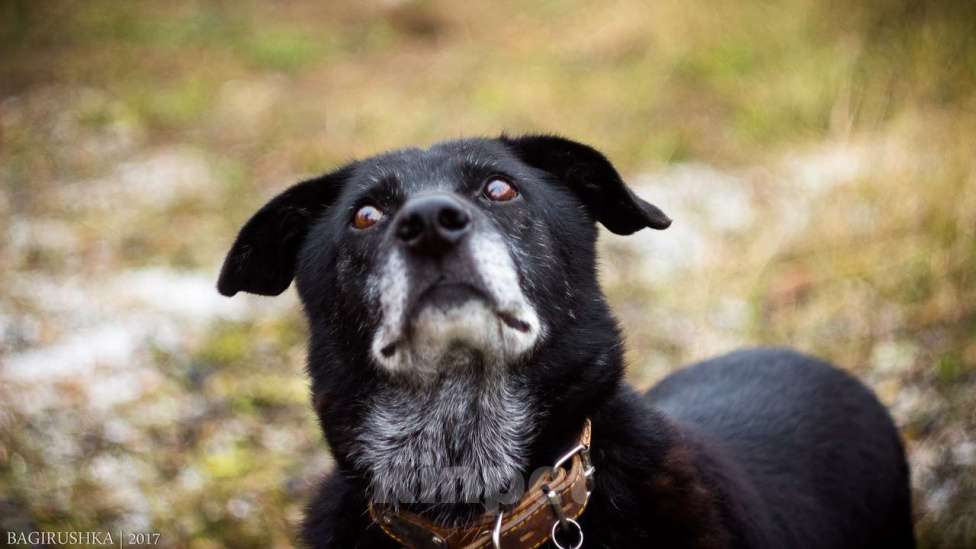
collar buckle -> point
(583, 449)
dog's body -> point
(460, 340)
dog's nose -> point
(432, 224)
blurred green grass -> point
(266, 92)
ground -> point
(817, 158)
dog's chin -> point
(454, 328)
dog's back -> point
(819, 449)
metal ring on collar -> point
(579, 532)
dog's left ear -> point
(591, 176)
(264, 256)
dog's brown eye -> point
(366, 217)
(500, 190)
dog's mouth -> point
(445, 295)
(513, 322)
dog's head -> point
(413, 258)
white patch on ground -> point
(701, 200)
(152, 182)
(720, 218)
(109, 327)
(708, 204)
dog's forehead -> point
(437, 167)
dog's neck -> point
(451, 445)
(460, 445)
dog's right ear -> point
(264, 256)
(591, 176)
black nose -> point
(432, 224)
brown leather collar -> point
(547, 510)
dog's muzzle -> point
(448, 285)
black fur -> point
(760, 448)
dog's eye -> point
(500, 190)
(366, 217)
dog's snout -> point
(432, 224)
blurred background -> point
(818, 158)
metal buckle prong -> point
(496, 532)
(588, 468)
(569, 455)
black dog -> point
(460, 341)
